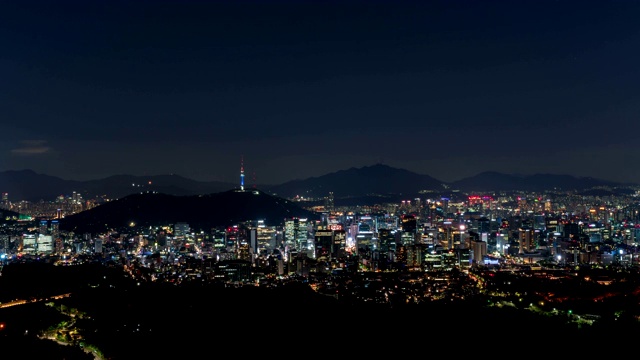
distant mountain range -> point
(369, 181)
(31, 186)
(376, 180)
(199, 211)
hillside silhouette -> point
(200, 212)
(354, 183)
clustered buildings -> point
(434, 232)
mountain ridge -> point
(199, 211)
(374, 180)
(342, 182)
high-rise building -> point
(266, 237)
(339, 243)
(4, 243)
(409, 238)
(54, 228)
(97, 247)
(218, 236)
(262, 238)
(387, 240)
(45, 244)
(526, 239)
(551, 224)
(365, 233)
(44, 227)
(388, 222)
(181, 230)
(479, 251)
(409, 223)
(483, 225)
(29, 243)
(329, 204)
(296, 233)
(323, 241)
(232, 238)
(415, 255)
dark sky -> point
(449, 89)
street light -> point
(559, 257)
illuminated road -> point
(22, 302)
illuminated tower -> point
(242, 173)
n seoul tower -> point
(241, 173)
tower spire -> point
(242, 172)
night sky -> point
(299, 89)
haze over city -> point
(300, 89)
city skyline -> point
(295, 90)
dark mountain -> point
(28, 185)
(600, 192)
(379, 183)
(494, 181)
(199, 211)
(122, 185)
(356, 182)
